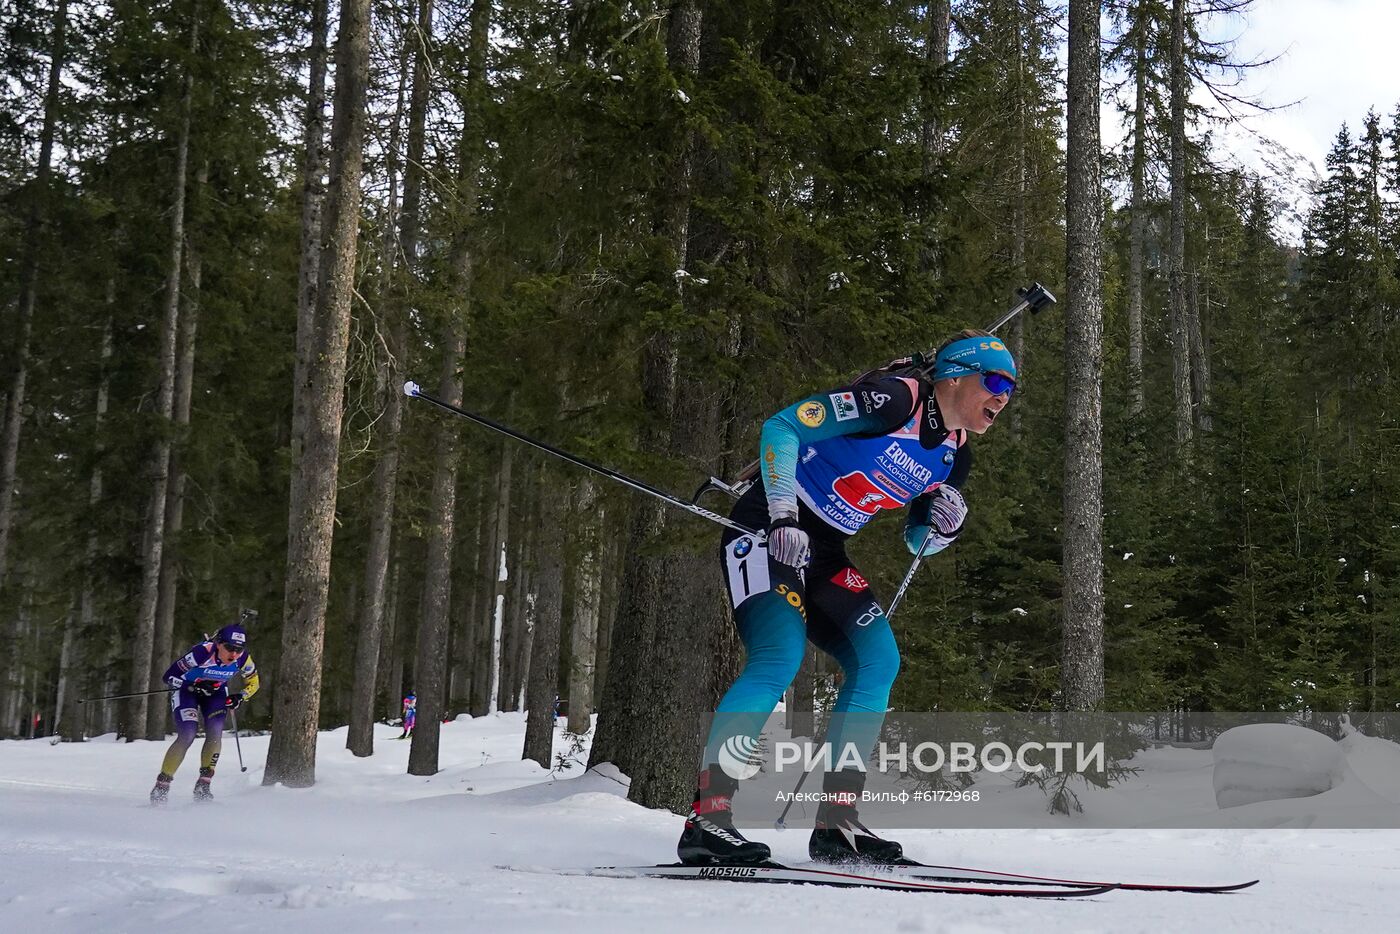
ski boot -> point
(161, 792)
(839, 836)
(709, 837)
(202, 793)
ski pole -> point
(414, 391)
(236, 744)
(909, 576)
(84, 700)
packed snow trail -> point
(370, 848)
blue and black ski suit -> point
(835, 459)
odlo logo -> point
(740, 757)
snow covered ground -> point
(370, 848)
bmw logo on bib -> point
(743, 546)
(949, 457)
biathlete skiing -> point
(829, 464)
(410, 715)
(199, 682)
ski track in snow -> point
(370, 848)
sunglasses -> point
(229, 646)
(998, 384)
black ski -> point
(776, 873)
(959, 874)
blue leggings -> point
(777, 611)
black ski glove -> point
(205, 687)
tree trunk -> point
(1081, 676)
(936, 54)
(67, 673)
(483, 594)
(583, 651)
(313, 170)
(1137, 212)
(1200, 358)
(158, 716)
(87, 599)
(143, 641)
(1176, 253)
(488, 664)
(28, 286)
(527, 644)
(931, 130)
(526, 597)
(390, 658)
(803, 690)
(431, 665)
(291, 755)
(15, 718)
(658, 684)
(543, 678)
(469, 607)
(464, 629)
(1019, 206)
(360, 736)
(512, 674)
(613, 541)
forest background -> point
(232, 228)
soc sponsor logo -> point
(844, 405)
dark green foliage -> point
(1258, 571)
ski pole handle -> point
(1034, 297)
